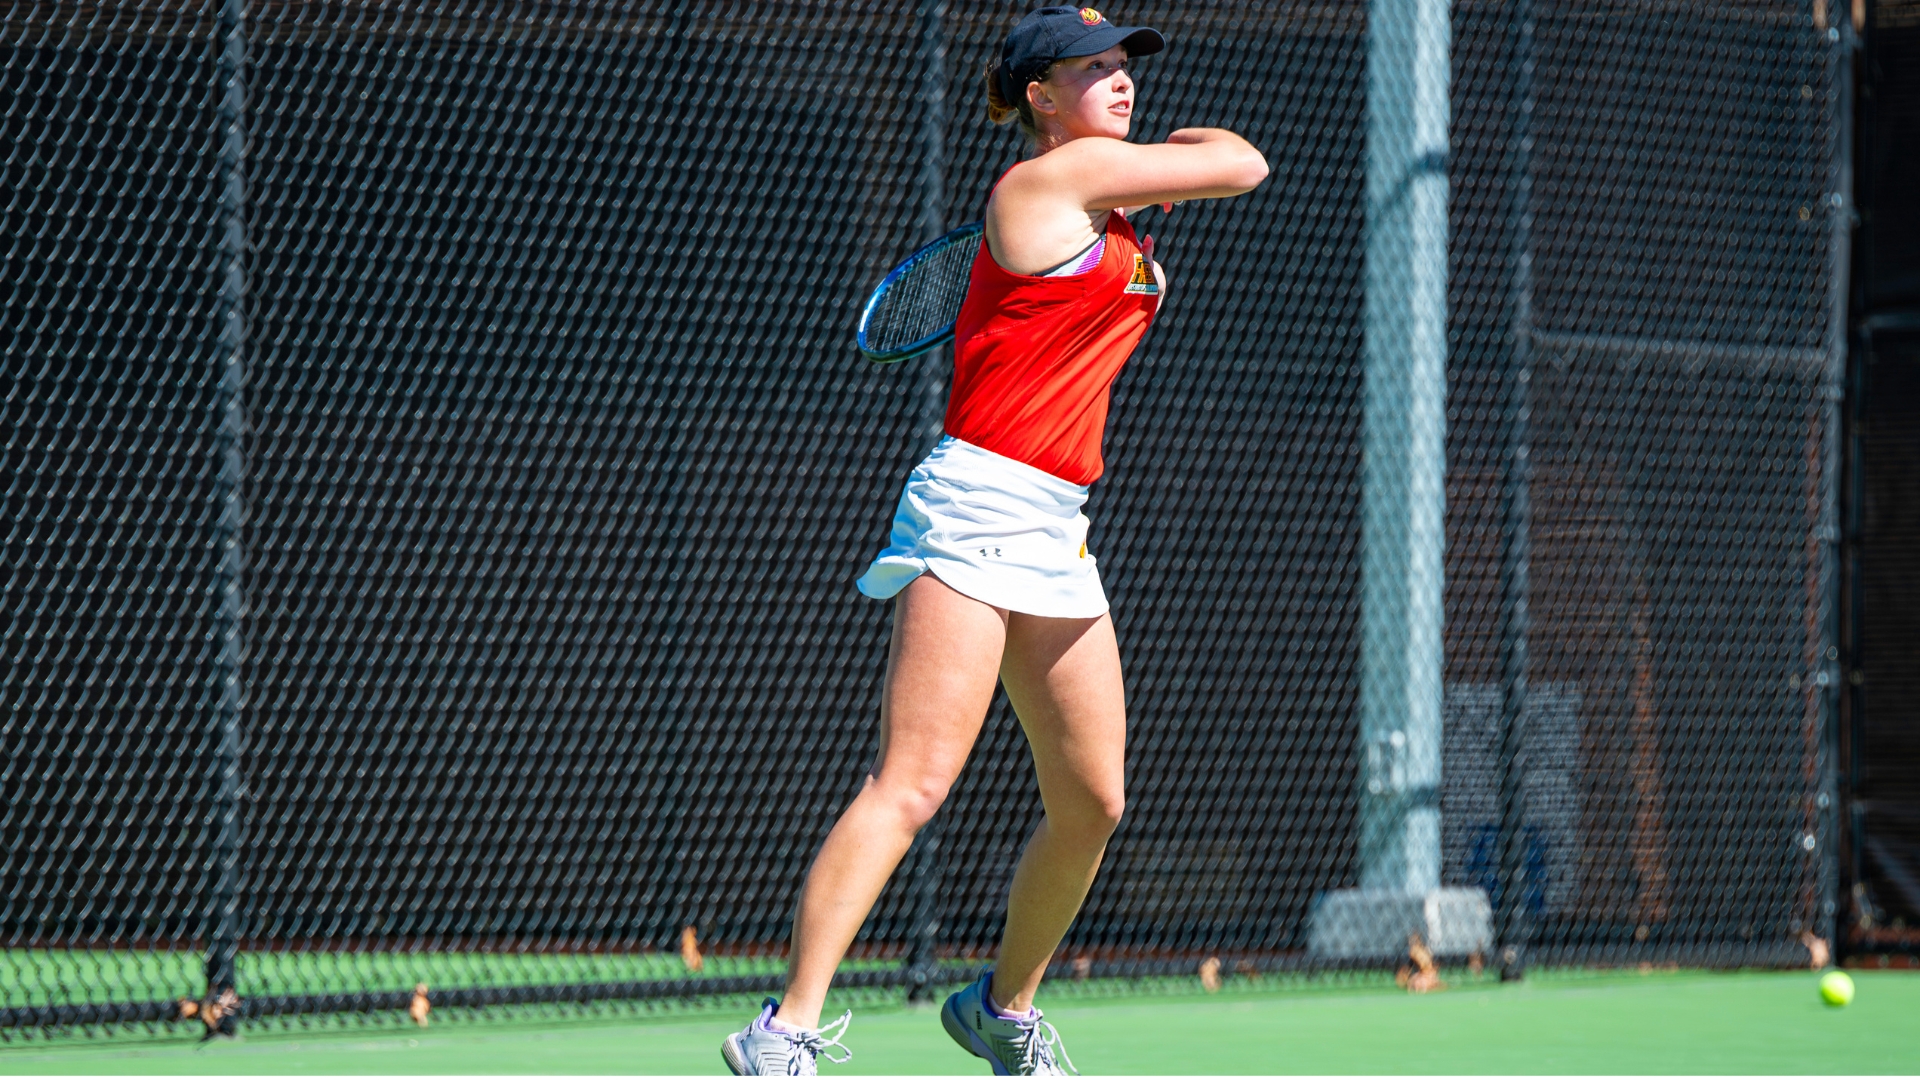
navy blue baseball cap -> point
(1057, 33)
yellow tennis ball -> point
(1836, 988)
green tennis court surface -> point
(1684, 1022)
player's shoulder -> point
(1060, 168)
(1082, 153)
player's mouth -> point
(1122, 107)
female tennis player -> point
(988, 563)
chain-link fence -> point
(437, 464)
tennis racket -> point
(915, 306)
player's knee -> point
(1095, 814)
(916, 801)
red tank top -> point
(1035, 357)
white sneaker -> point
(765, 1050)
(1013, 1045)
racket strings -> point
(920, 304)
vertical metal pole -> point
(932, 368)
(924, 930)
(1842, 43)
(1849, 832)
(667, 905)
(1510, 919)
(1403, 467)
(924, 880)
(229, 471)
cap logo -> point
(1089, 16)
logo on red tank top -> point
(1142, 283)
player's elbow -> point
(1249, 169)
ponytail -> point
(1000, 110)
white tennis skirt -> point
(1000, 531)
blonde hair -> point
(1000, 110)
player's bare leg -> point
(1063, 676)
(941, 671)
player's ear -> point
(1040, 100)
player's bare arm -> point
(1057, 203)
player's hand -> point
(1159, 275)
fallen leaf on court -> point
(690, 950)
(1210, 974)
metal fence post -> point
(1510, 920)
(1842, 42)
(932, 390)
(924, 930)
(229, 608)
(1403, 501)
(923, 884)
(1403, 504)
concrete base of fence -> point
(1374, 923)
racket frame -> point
(924, 251)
